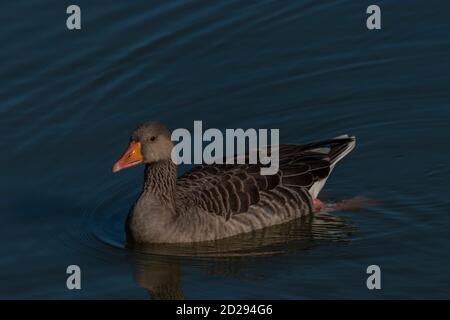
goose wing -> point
(230, 189)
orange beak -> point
(131, 157)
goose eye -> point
(153, 138)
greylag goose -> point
(216, 201)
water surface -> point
(69, 100)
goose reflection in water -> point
(159, 266)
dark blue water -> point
(69, 100)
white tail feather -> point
(315, 189)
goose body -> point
(216, 201)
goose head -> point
(149, 143)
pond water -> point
(70, 99)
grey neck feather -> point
(160, 180)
